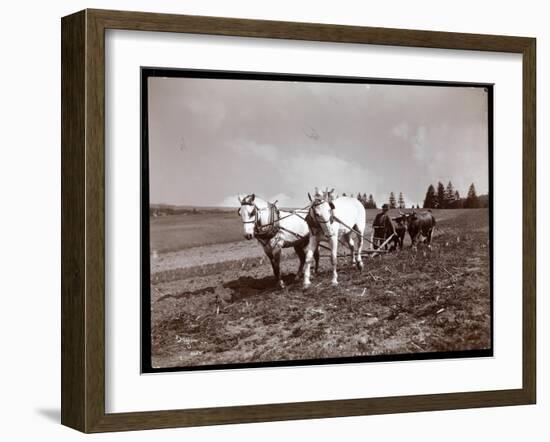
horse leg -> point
(311, 248)
(316, 256)
(429, 239)
(394, 243)
(276, 263)
(334, 258)
(351, 246)
(302, 257)
(274, 255)
(413, 242)
(359, 261)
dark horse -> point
(420, 224)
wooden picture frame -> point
(83, 220)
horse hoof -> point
(307, 286)
(282, 285)
(334, 283)
(359, 265)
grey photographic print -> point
(299, 220)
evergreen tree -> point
(449, 196)
(401, 201)
(392, 202)
(472, 201)
(371, 203)
(458, 201)
(441, 201)
(429, 200)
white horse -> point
(276, 229)
(331, 218)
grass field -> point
(183, 231)
(214, 301)
(176, 232)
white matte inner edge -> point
(127, 390)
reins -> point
(273, 221)
(272, 207)
(338, 220)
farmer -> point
(383, 228)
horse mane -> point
(259, 202)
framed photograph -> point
(269, 220)
(213, 300)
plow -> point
(373, 252)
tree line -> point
(367, 201)
(442, 198)
(449, 198)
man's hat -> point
(385, 206)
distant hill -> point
(156, 210)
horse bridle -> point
(256, 220)
(314, 215)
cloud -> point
(300, 171)
(230, 201)
(285, 138)
(283, 200)
(304, 173)
(420, 144)
(401, 131)
(263, 151)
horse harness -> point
(267, 231)
(313, 221)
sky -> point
(211, 140)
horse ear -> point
(253, 198)
(239, 198)
(309, 196)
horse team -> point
(328, 218)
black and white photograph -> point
(302, 220)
